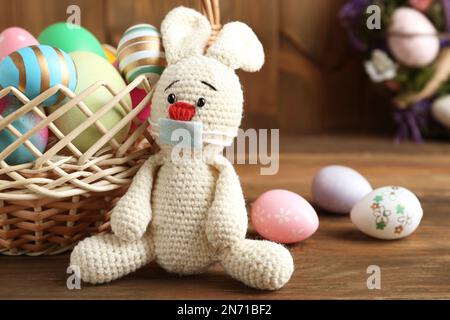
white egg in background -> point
(388, 213)
(413, 40)
(441, 110)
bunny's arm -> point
(132, 214)
(227, 219)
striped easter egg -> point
(35, 69)
(140, 51)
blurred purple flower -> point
(351, 14)
(446, 8)
(354, 9)
(355, 42)
(413, 121)
(444, 43)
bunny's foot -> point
(105, 258)
(259, 264)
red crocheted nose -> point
(181, 111)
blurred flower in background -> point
(352, 14)
(421, 5)
(411, 88)
(380, 67)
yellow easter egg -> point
(110, 52)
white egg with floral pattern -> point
(388, 213)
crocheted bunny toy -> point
(188, 213)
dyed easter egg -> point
(70, 38)
(413, 40)
(23, 124)
(13, 39)
(92, 68)
(338, 188)
(283, 216)
(387, 213)
(116, 65)
(35, 69)
(441, 110)
(140, 51)
(137, 95)
(110, 53)
(3, 102)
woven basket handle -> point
(211, 9)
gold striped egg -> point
(141, 52)
(35, 69)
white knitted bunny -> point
(189, 213)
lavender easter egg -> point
(413, 39)
(23, 124)
(388, 213)
(13, 39)
(283, 216)
(338, 188)
(35, 69)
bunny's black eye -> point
(201, 102)
(171, 98)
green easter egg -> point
(70, 37)
(90, 69)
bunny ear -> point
(238, 47)
(185, 32)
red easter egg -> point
(137, 95)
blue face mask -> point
(187, 134)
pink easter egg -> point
(137, 95)
(283, 216)
(116, 65)
(13, 39)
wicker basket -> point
(65, 195)
(49, 205)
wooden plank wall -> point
(311, 83)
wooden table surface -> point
(331, 264)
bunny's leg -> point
(105, 258)
(259, 264)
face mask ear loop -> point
(153, 124)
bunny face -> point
(203, 90)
